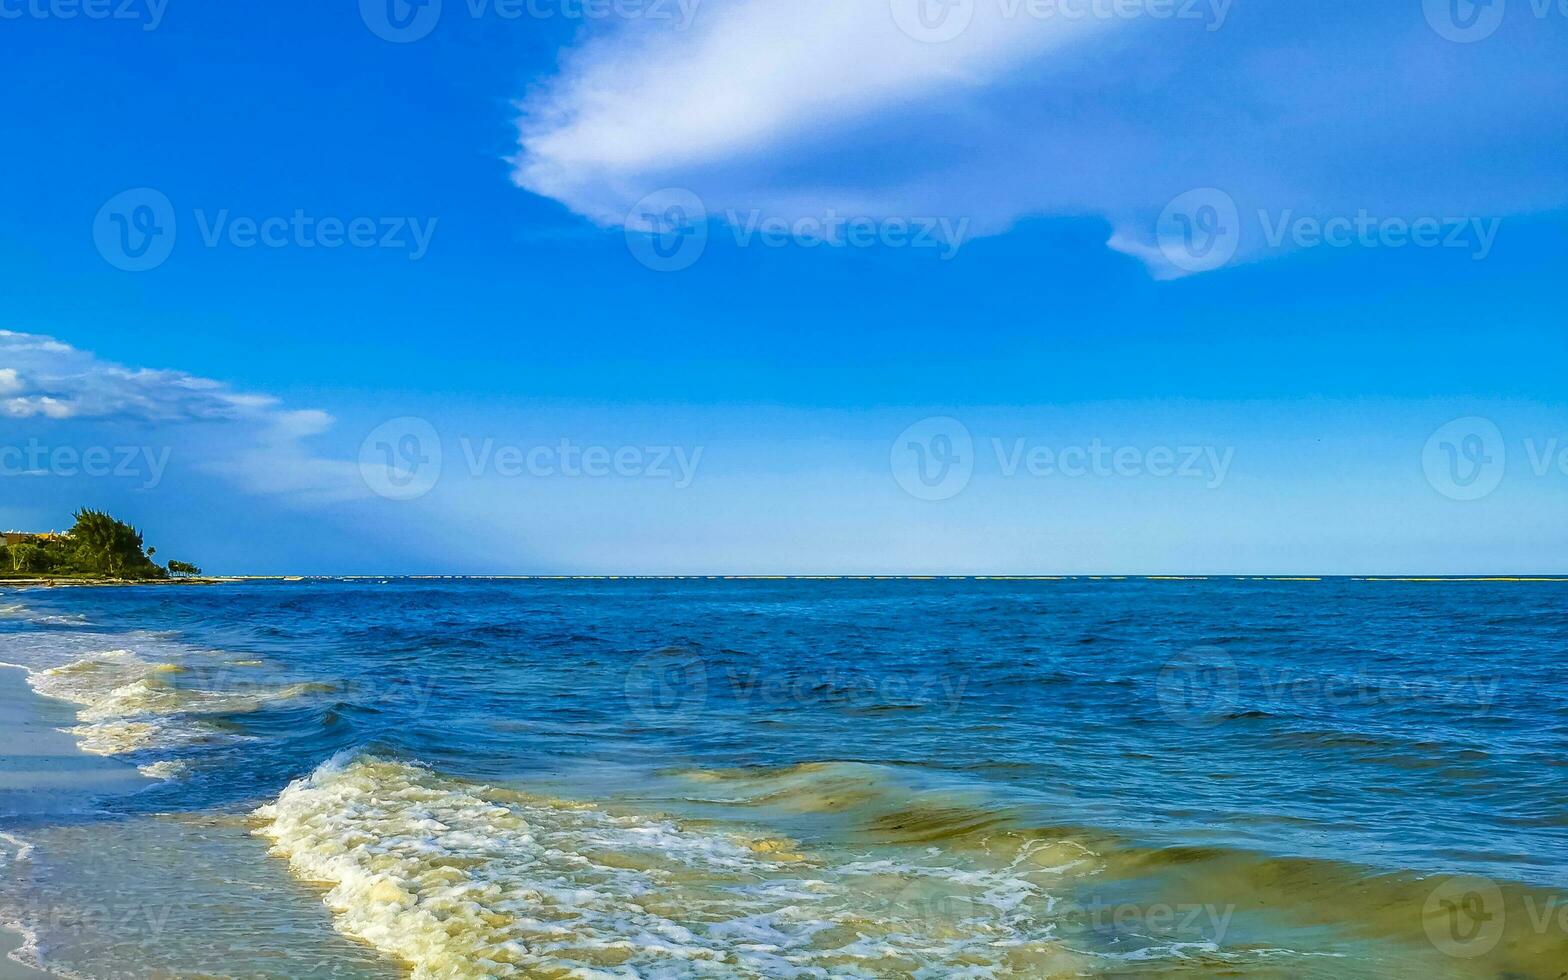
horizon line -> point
(870, 577)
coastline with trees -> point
(98, 549)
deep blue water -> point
(1386, 728)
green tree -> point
(183, 568)
(27, 557)
(110, 547)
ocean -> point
(446, 778)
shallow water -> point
(936, 778)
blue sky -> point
(743, 254)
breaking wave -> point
(461, 879)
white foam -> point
(124, 705)
(126, 700)
(459, 879)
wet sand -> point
(43, 770)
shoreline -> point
(19, 959)
(58, 582)
(46, 773)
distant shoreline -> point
(62, 581)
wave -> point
(1131, 905)
(17, 610)
(128, 704)
(462, 879)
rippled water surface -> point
(934, 778)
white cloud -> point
(248, 438)
(797, 109)
(280, 465)
(747, 76)
(50, 379)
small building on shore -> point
(9, 538)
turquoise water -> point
(456, 778)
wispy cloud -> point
(43, 377)
(253, 440)
(803, 107)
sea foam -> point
(459, 879)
